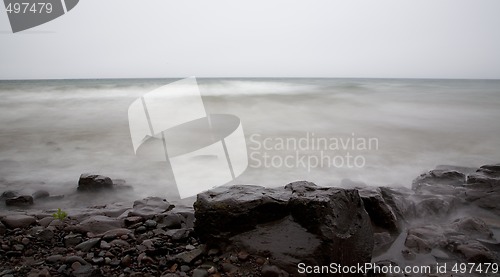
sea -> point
(332, 132)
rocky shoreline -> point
(450, 215)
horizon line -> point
(157, 78)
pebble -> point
(200, 273)
(150, 223)
(87, 245)
(54, 259)
(243, 256)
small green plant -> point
(60, 214)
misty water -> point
(51, 131)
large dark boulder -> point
(92, 182)
(299, 223)
(223, 212)
(338, 218)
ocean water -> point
(329, 131)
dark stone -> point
(3, 229)
(381, 214)
(440, 177)
(73, 259)
(54, 259)
(129, 221)
(301, 222)
(190, 256)
(338, 218)
(98, 224)
(72, 240)
(199, 272)
(92, 182)
(399, 199)
(439, 181)
(435, 206)
(18, 221)
(45, 235)
(23, 200)
(272, 271)
(9, 194)
(87, 245)
(171, 220)
(222, 211)
(149, 207)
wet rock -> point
(171, 220)
(98, 224)
(40, 194)
(301, 222)
(272, 271)
(423, 238)
(18, 221)
(230, 268)
(52, 259)
(400, 200)
(9, 194)
(72, 240)
(126, 260)
(115, 233)
(199, 272)
(132, 220)
(338, 218)
(472, 226)
(222, 211)
(119, 243)
(475, 252)
(435, 206)
(87, 245)
(85, 271)
(150, 223)
(190, 256)
(44, 222)
(487, 176)
(438, 179)
(104, 245)
(3, 229)
(179, 234)
(149, 207)
(92, 182)
(381, 240)
(243, 255)
(72, 259)
(45, 235)
(381, 214)
(23, 200)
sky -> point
(259, 38)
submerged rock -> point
(39, 194)
(23, 200)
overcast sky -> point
(259, 38)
